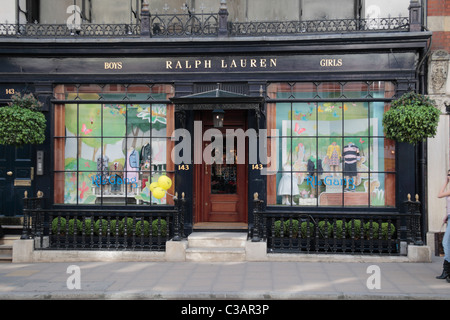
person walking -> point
(446, 241)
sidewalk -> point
(229, 280)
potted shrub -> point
(21, 122)
(412, 118)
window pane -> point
(330, 119)
(355, 118)
(356, 90)
(382, 189)
(303, 119)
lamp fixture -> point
(218, 117)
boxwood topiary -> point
(101, 230)
(163, 225)
(139, 228)
(339, 229)
(291, 224)
(371, 230)
(59, 224)
(306, 229)
(354, 228)
(72, 226)
(387, 230)
(325, 229)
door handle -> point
(206, 169)
(9, 173)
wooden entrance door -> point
(222, 187)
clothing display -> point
(351, 156)
(102, 167)
(116, 168)
(146, 152)
(134, 159)
(132, 172)
(287, 186)
(334, 154)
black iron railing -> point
(349, 233)
(318, 26)
(184, 25)
(84, 30)
(101, 229)
(201, 25)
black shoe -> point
(444, 275)
(445, 272)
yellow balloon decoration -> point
(164, 182)
(158, 192)
(153, 185)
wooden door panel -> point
(222, 187)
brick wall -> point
(438, 21)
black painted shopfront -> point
(113, 107)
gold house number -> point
(183, 167)
(257, 166)
(10, 91)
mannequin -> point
(351, 156)
(102, 170)
(287, 187)
(334, 156)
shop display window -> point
(331, 146)
(111, 142)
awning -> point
(218, 99)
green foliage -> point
(163, 225)
(325, 229)
(103, 229)
(21, 123)
(27, 101)
(287, 226)
(59, 225)
(139, 228)
(306, 229)
(387, 230)
(371, 230)
(72, 226)
(339, 229)
(354, 228)
(411, 118)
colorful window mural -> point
(111, 142)
(331, 146)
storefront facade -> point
(300, 125)
(123, 103)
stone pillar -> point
(415, 16)
(145, 20)
(223, 19)
(439, 146)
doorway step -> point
(216, 247)
(6, 247)
(220, 227)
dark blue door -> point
(16, 177)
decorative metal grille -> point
(181, 25)
(62, 30)
(318, 26)
(203, 25)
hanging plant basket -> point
(412, 118)
(21, 122)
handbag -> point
(439, 249)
